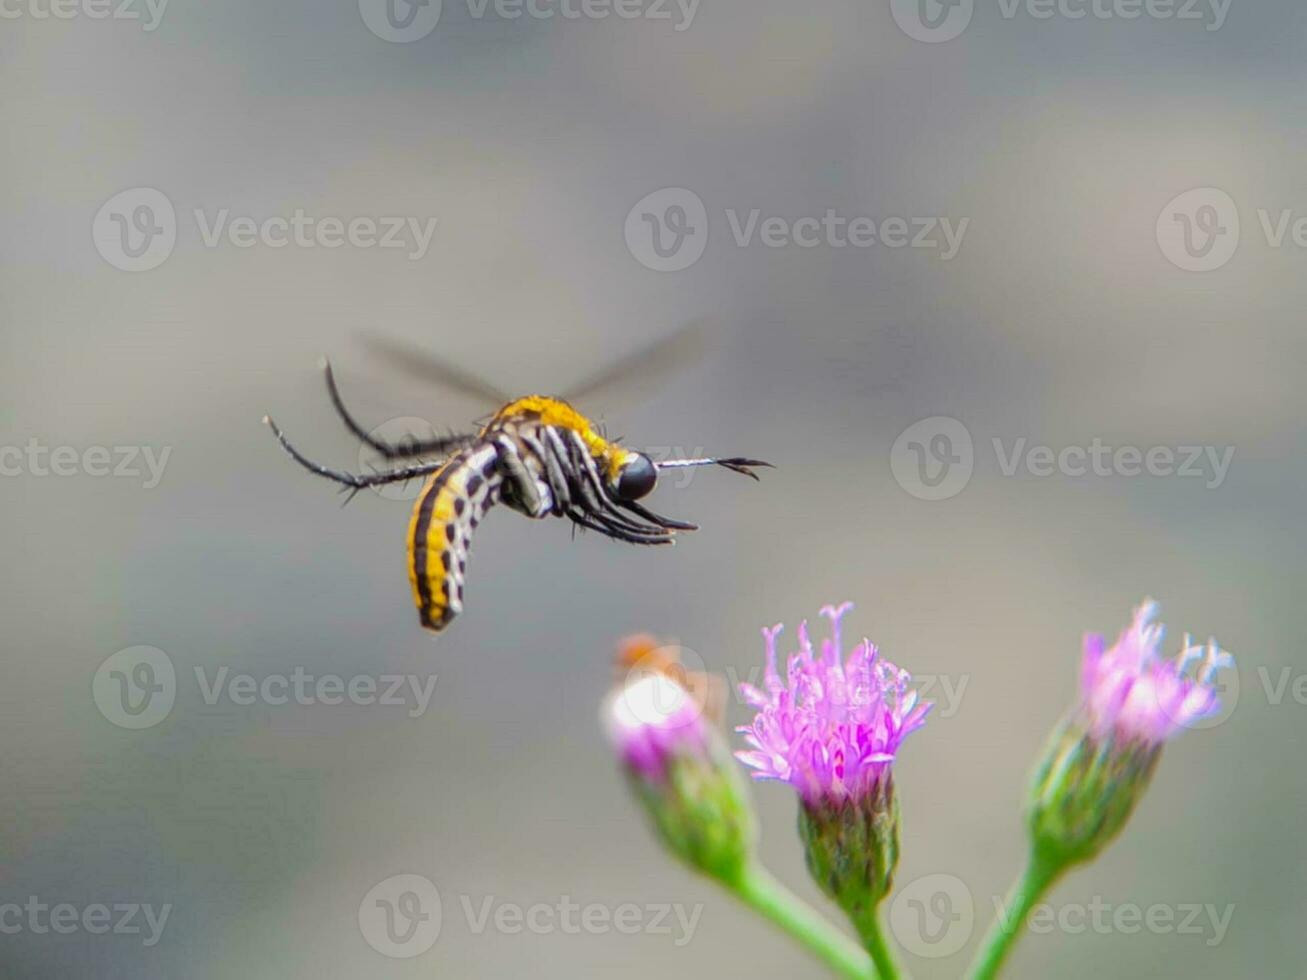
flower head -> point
(834, 727)
(1101, 759)
(678, 767)
(1129, 692)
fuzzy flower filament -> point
(832, 730)
(1100, 760)
(1132, 702)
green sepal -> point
(1083, 793)
(701, 812)
(852, 850)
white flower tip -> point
(652, 700)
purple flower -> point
(833, 728)
(650, 721)
(679, 769)
(1128, 692)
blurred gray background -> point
(1060, 320)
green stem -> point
(873, 937)
(763, 893)
(1010, 923)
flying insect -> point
(536, 455)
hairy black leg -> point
(595, 496)
(412, 447)
(597, 523)
(353, 481)
(658, 519)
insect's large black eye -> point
(637, 478)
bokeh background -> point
(1060, 320)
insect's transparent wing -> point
(626, 381)
(425, 366)
(645, 370)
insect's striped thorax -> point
(554, 413)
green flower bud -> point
(1084, 792)
(680, 770)
(852, 848)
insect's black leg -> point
(597, 523)
(598, 510)
(411, 447)
(658, 519)
(354, 481)
(611, 501)
(595, 496)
